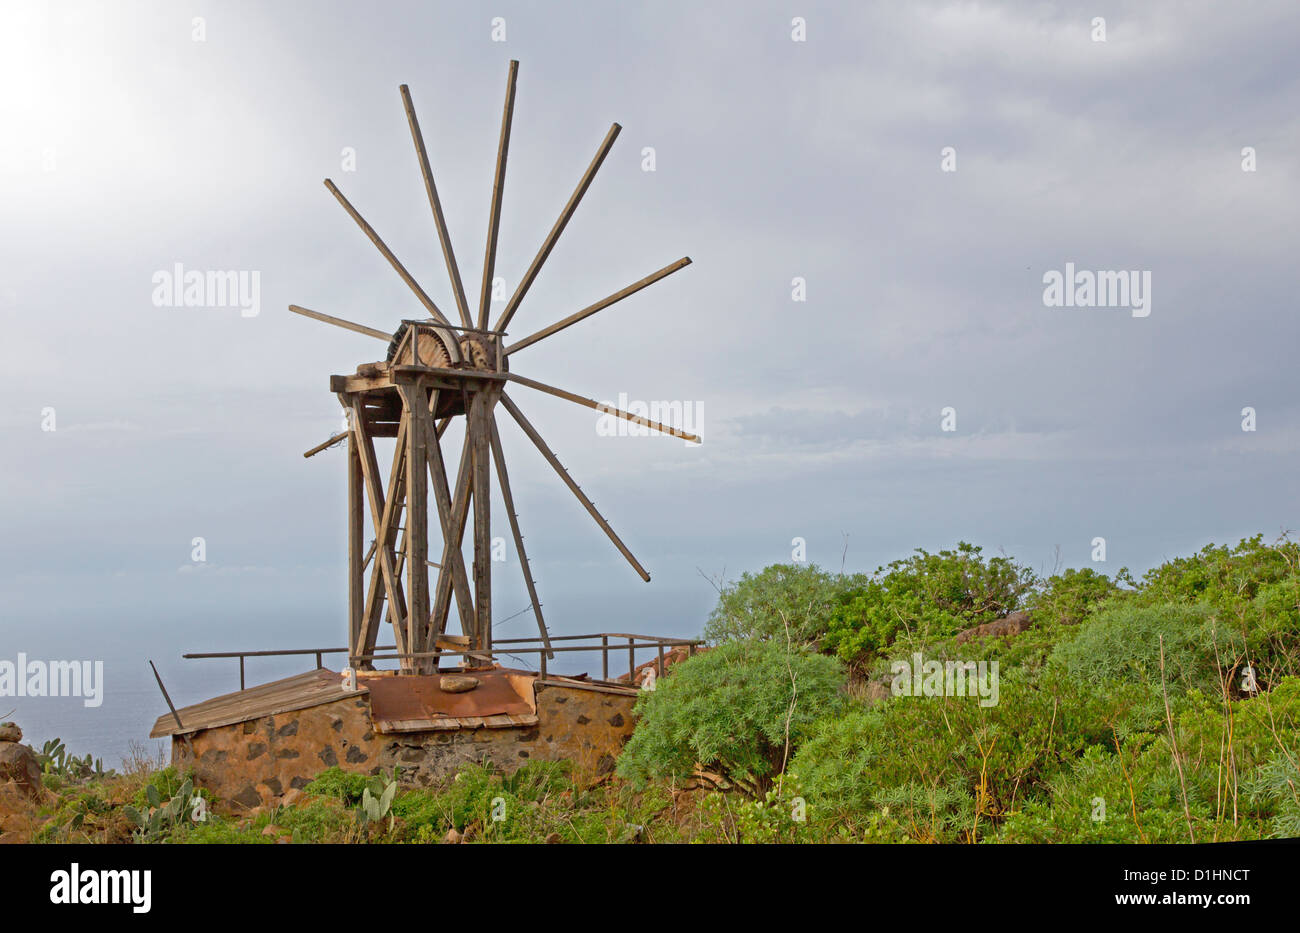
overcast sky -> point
(126, 147)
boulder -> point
(457, 683)
(19, 764)
(1012, 624)
(9, 732)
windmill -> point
(434, 372)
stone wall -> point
(253, 763)
(583, 726)
(256, 763)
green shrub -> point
(334, 782)
(798, 598)
(1070, 597)
(1254, 590)
(316, 819)
(166, 783)
(948, 768)
(732, 711)
(923, 598)
(1123, 643)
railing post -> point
(241, 672)
(631, 660)
(661, 659)
(542, 654)
(319, 663)
(604, 657)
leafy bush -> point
(735, 711)
(1254, 590)
(923, 598)
(762, 605)
(948, 768)
(1123, 643)
(345, 786)
(1070, 597)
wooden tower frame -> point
(434, 373)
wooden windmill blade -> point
(590, 506)
(498, 192)
(444, 238)
(434, 373)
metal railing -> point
(509, 647)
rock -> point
(457, 683)
(9, 732)
(553, 839)
(16, 811)
(453, 837)
(271, 830)
(18, 763)
(291, 797)
(1013, 624)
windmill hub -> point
(429, 343)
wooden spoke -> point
(602, 407)
(325, 445)
(549, 243)
(503, 481)
(498, 190)
(568, 480)
(339, 322)
(444, 238)
(369, 231)
(598, 306)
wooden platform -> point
(279, 696)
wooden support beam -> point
(601, 407)
(339, 322)
(386, 539)
(453, 561)
(498, 190)
(369, 231)
(384, 557)
(444, 238)
(598, 306)
(503, 480)
(565, 215)
(455, 536)
(480, 424)
(356, 531)
(568, 481)
(417, 520)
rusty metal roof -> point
(407, 703)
